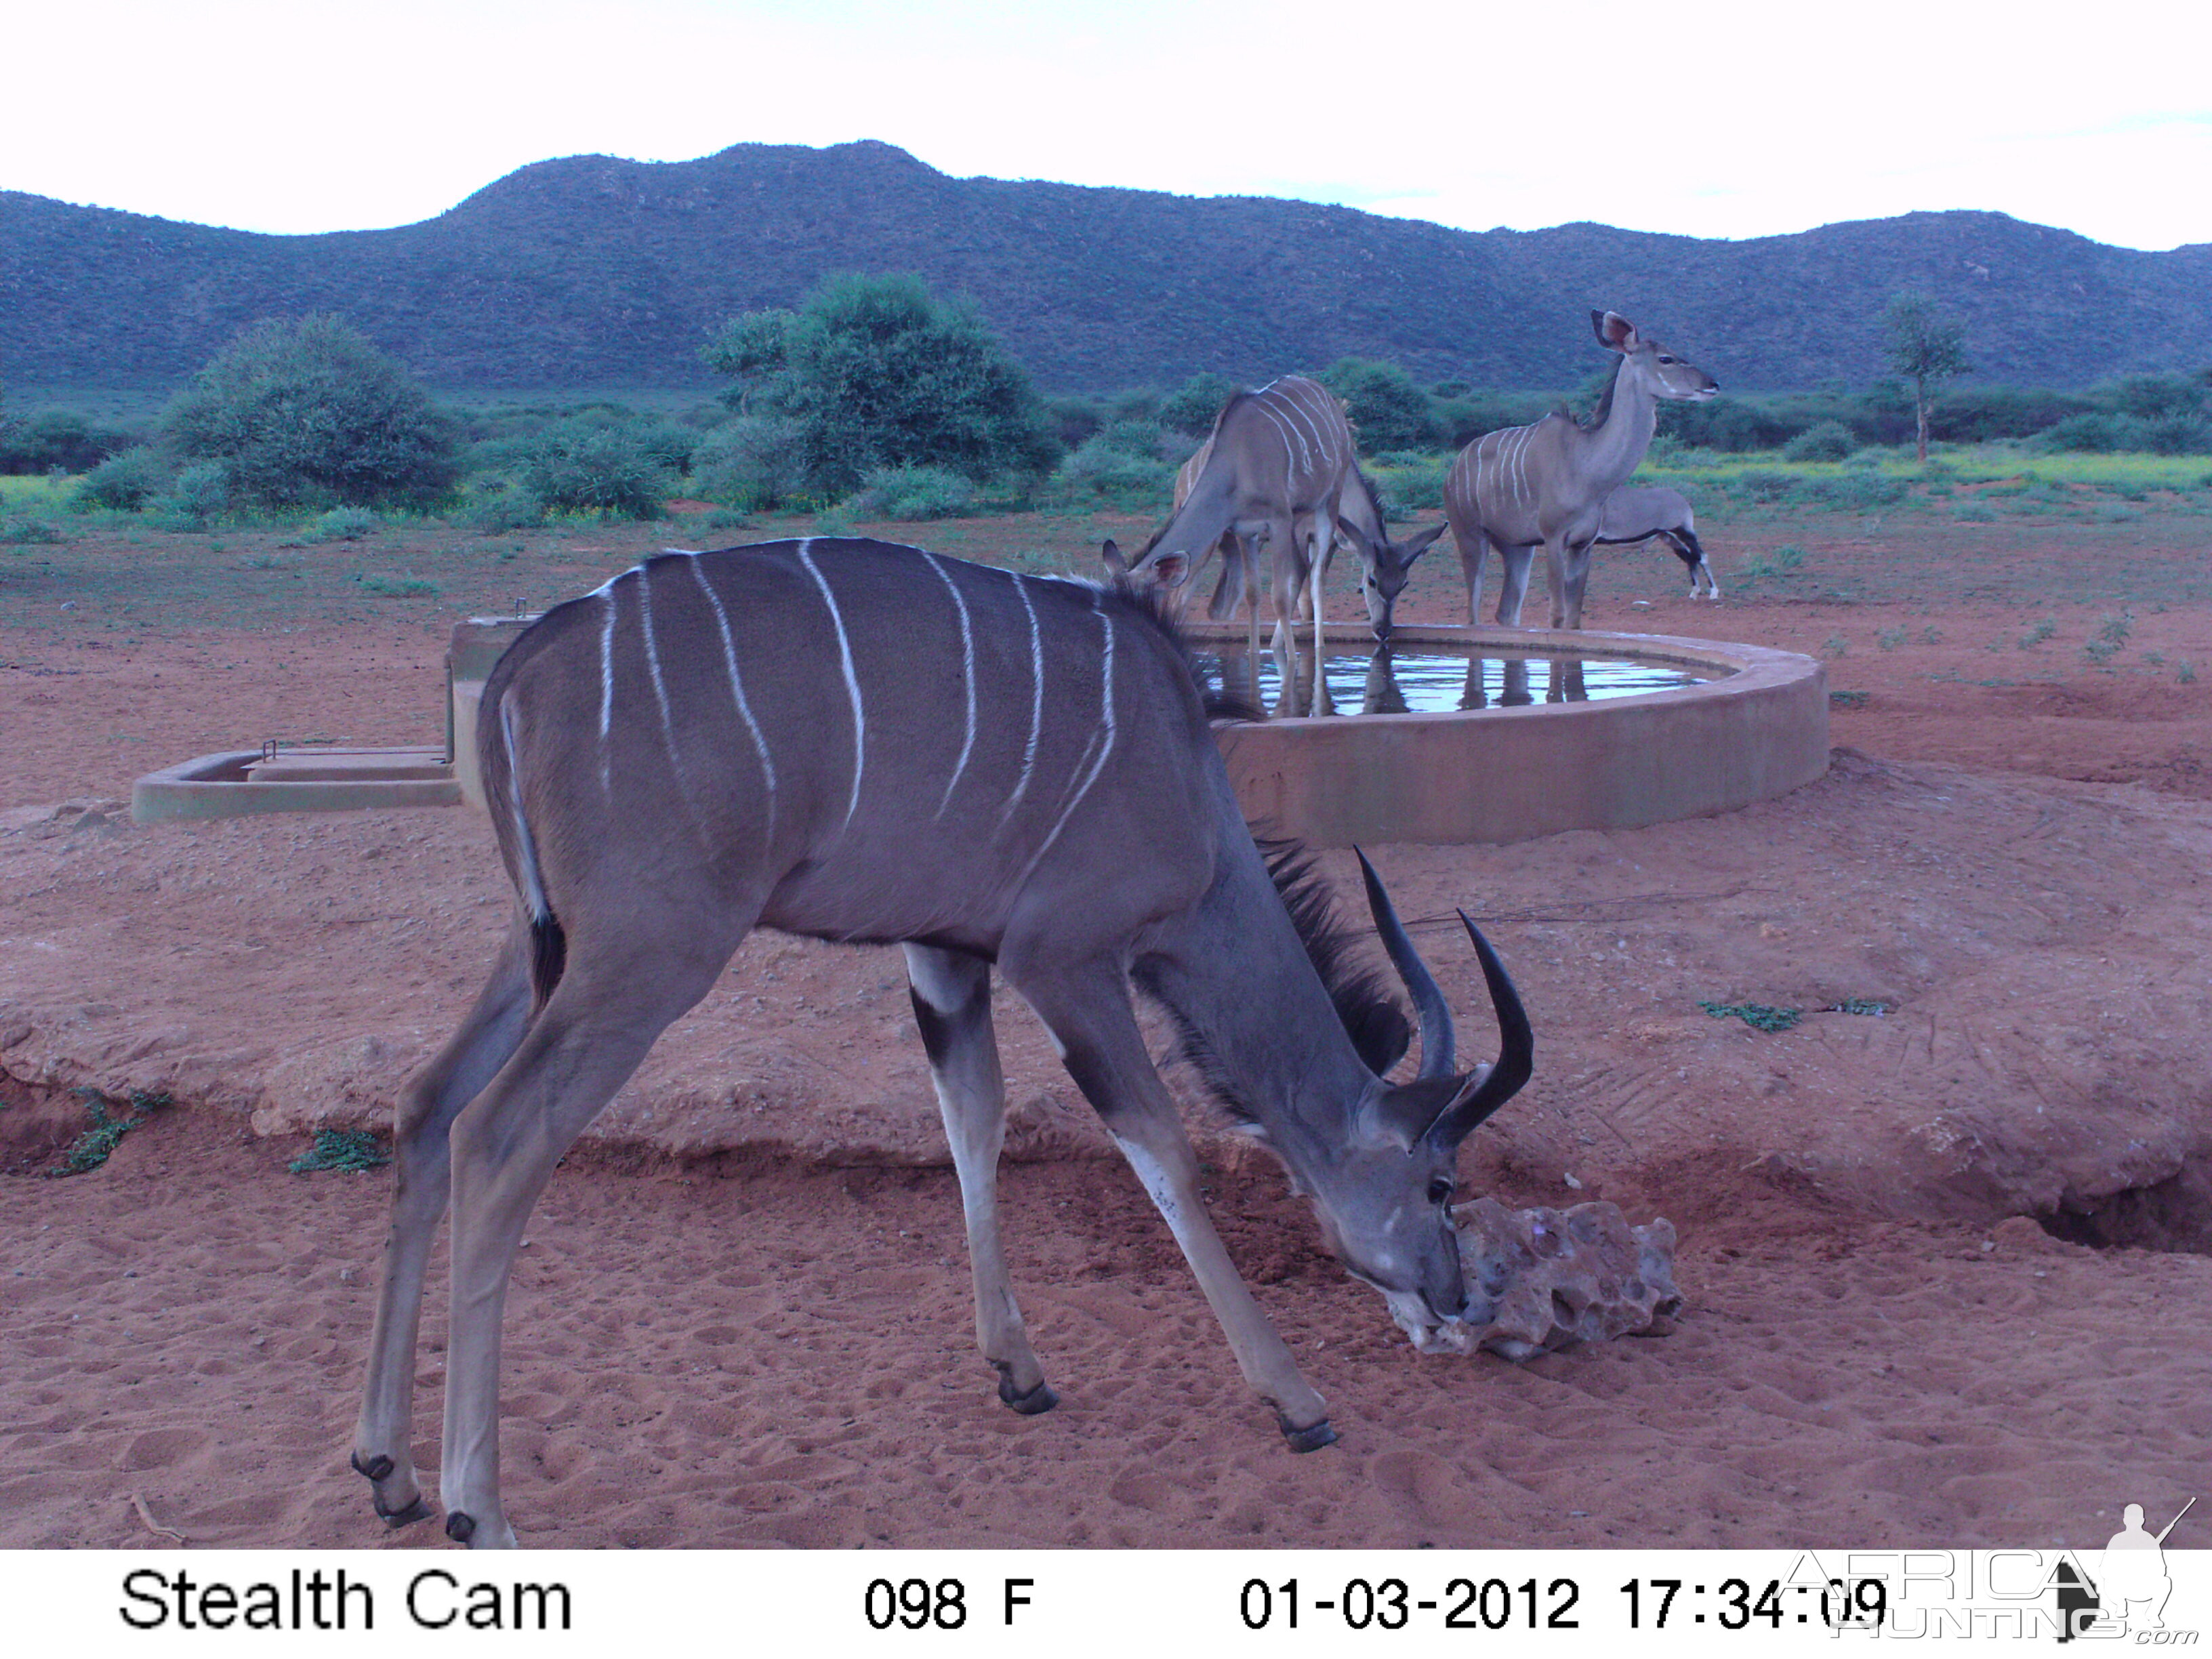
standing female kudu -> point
(1547, 483)
(854, 741)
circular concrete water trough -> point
(1755, 727)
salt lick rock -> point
(1543, 1279)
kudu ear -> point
(1413, 546)
(1614, 331)
(1171, 569)
(1111, 553)
(1397, 1114)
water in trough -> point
(1432, 681)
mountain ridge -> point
(592, 271)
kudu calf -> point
(852, 741)
(1633, 517)
(1546, 485)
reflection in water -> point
(1431, 682)
(1382, 695)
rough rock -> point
(1541, 1278)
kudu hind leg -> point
(584, 1045)
(952, 1006)
(1090, 1019)
(487, 1038)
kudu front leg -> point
(1090, 1020)
(1513, 584)
(383, 1448)
(952, 1006)
(1568, 567)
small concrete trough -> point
(316, 779)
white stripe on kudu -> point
(738, 692)
(852, 681)
(1036, 699)
(1103, 739)
(606, 685)
(967, 675)
(652, 663)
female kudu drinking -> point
(859, 742)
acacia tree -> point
(1926, 347)
(876, 371)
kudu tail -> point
(498, 764)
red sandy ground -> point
(743, 1316)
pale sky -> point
(1703, 118)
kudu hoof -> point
(378, 1468)
(1037, 1400)
(1312, 1437)
(460, 1527)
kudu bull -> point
(852, 741)
(1633, 517)
(1546, 485)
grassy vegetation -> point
(91, 1149)
(354, 1151)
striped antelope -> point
(1385, 565)
(1547, 483)
(1273, 475)
(859, 742)
(1636, 516)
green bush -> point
(877, 371)
(57, 439)
(1191, 407)
(199, 496)
(1385, 406)
(124, 482)
(305, 412)
(21, 531)
(756, 463)
(1409, 483)
(503, 507)
(910, 493)
(1854, 492)
(579, 465)
(345, 523)
(1831, 440)
(1105, 473)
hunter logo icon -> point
(2131, 1585)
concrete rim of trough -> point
(216, 787)
(1508, 773)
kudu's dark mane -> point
(1370, 1013)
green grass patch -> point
(90, 1150)
(1866, 1006)
(1759, 1016)
(1848, 699)
(354, 1151)
(399, 587)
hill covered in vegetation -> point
(592, 272)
